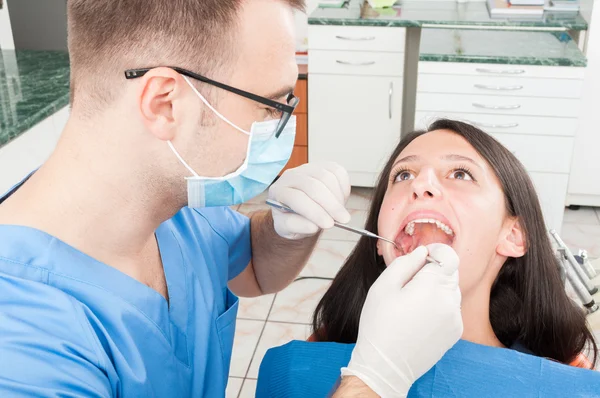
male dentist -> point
(119, 255)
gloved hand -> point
(317, 192)
(406, 326)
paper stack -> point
(506, 9)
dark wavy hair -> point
(528, 302)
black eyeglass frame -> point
(286, 109)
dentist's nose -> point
(426, 185)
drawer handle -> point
(494, 126)
(391, 94)
(498, 107)
(355, 63)
(498, 88)
(366, 38)
(501, 71)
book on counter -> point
(504, 9)
(527, 2)
(563, 5)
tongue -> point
(425, 234)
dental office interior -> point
(370, 72)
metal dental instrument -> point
(585, 262)
(359, 231)
(586, 299)
(574, 264)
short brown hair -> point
(108, 36)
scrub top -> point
(71, 326)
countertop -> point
(500, 47)
(33, 86)
(415, 13)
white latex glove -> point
(317, 192)
(406, 326)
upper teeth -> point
(410, 227)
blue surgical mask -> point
(265, 158)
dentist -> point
(120, 260)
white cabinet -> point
(29, 150)
(355, 97)
(584, 182)
(532, 110)
(354, 121)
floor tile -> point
(328, 257)
(255, 307)
(585, 215)
(234, 385)
(276, 334)
(247, 208)
(246, 338)
(248, 389)
(359, 217)
(297, 302)
(360, 198)
(581, 236)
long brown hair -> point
(528, 302)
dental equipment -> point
(574, 264)
(585, 262)
(359, 231)
(578, 287)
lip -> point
(418, 214)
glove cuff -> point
(374, 381)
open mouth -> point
(422, 232)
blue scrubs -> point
(71, 326)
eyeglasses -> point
(285, 110)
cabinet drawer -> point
(538, 153)
(516, 71)
(301, 92)
(500, 85)
(490, 104)
(355, 63)
(543, 153)
(506, 124)
(356, 38)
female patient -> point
(456, 185)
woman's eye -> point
(461, 175)
(404, 176)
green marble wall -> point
(33, 86)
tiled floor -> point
(273, 320)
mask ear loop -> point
(187, 166)
(213, 109)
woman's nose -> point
(426, 185)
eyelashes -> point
(403, 173)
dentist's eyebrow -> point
(461, 158)
(284, 92)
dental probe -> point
(359, 231)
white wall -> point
(584, 184)
(6, 36)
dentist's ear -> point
(512, 239)
(156, 99)
(379, 251)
